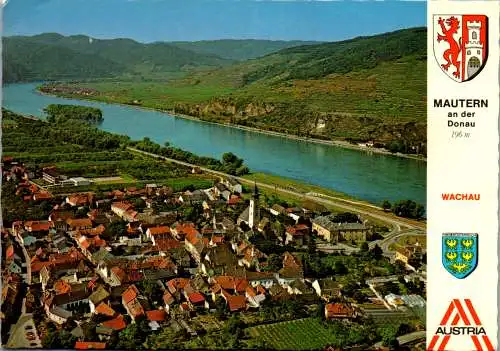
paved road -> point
(387, 242)
(380, 297)
(394, 236)
(348, 205)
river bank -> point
(366, 176)
(337, 143)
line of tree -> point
(230, 163)
(405, 208)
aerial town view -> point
(213, 175)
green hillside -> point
(316, 61)
(25, 60)
(239, 49)
(53, 56)
(364, 89)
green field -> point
(301, 334)
(304, 334)
(294, 185)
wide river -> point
(371, 177)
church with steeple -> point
(251, 215)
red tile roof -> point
(117, 323)
(177, 284)
(186, 229)
(90, 345)
(333, 310)
(159, 230)
(38, 226)
(80, 222)
(156, 315)
(229, 282)
(167, 244)
(120, 274)
(79, 199)
(158, 262)
(67, 259)
(241, 285)
(217, 239)
(10, 251)
(297, 230)
(260, 289)
(62, 287)
(236, 303)
(104, 309)
(135, 308)
(185, 306)
(130, 294)
(93, 231)
(42, 195)
(250, 291)
(168, 298)
(196, 298)
(233, 200)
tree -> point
(234, 325)
(134, 335)
(389, 335)
(229, 157)
(82, 212)
(376, 252)
(399, 267)
(408, 209)
(339, 268)
(365, 247)
(139, 204)
(274, 262)
(220, 309)
(115, 230)
(58, 340)
(166, 339)
(386, 205)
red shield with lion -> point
(461, 45)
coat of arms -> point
(459, 255)
(461, 45)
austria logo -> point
(457, 322)
(461, 45)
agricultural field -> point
(301, 334)
(112, 167)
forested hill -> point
(240, 49)
(54, 56)
(316, 61)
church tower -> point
(474, 49)
(254, 210)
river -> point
(370, 177)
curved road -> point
(348, 205)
